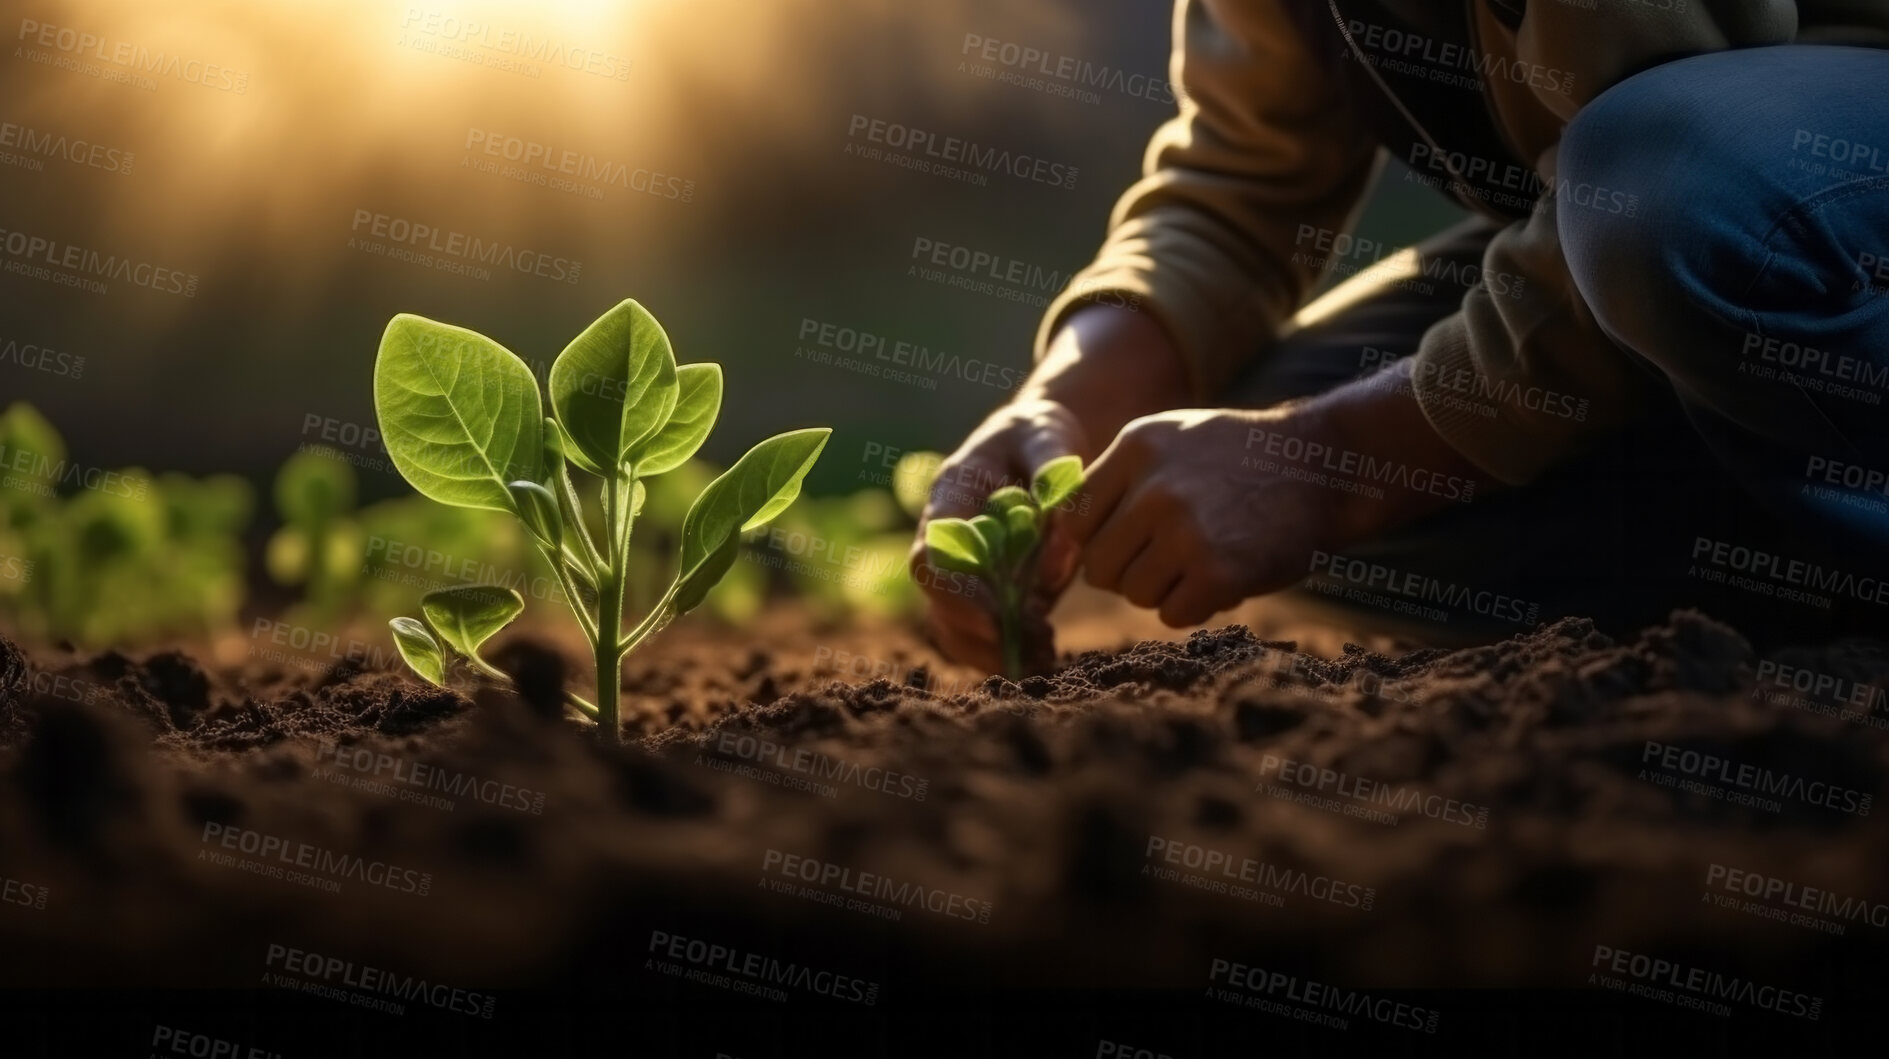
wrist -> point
(1108, 365)
(1378, 419)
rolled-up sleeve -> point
(1263, 148)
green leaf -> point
(313, 488)
(955, 544)
(994, 533)
(467, 616)
(538, 510)
(31, 450)
(615, 385)
(459, 413)
(1004, 499)
(1057, 481)
(638, 497)
(421, 651)
(1020, 524)
(758, 487)
(698, 403)
(559, 446)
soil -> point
(1422, 823)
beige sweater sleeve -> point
(1264, 149)
(1205, 240)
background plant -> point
(463, 421)
(113, 557)
(1000, 546)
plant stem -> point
(574, 516)
(657, 617)
(571, 593)
(609, 654)
(1011, 628)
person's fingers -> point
(1104, 484)
(1113, 547)
(1151, 574)
(955, 493)
(1198, 596)
(1058, 562)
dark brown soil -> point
(1035, 835)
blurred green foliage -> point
(120, 558)
(107, 557)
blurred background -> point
(708, 176)
(210, 208)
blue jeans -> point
(1751, 283)
(1754, 276)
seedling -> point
(1000, 545)
(463, 421)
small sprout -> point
(469, 615)
(1056, 482)
(421, 651)
(956, 545)
(538, 510)
(463, 419)
(1000, 545)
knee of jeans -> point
(1638, 183)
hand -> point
(1105, 366)
(1193, 511)
(1006, 449)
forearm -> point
(1378, 418)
